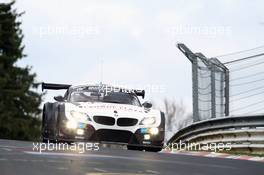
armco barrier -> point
(244, 134)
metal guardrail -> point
(244, 134)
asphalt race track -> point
(18, 157)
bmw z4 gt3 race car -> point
(100, 113)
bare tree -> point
(176, 116)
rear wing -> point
(54, 86)
(67, 86)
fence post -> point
(193, 58)
(195, 85)
(226, 92)
(213, 104)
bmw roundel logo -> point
(115, 113)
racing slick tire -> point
(44, 134)
(153, 149)
(132, 147)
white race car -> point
(101, 113)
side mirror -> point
(59, 98)
(147, 104)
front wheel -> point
(131, 147)
(44, 132)
(44, 140)
(153, 149)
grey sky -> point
(65, 40)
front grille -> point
(126, 122)
(110, 135)
(104, 120)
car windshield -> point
(95, 95)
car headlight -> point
(154, 131)
(71, 124)
(80, 116)
(148, 121)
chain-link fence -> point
(211, 78)
(210, 86)
(234, 87)
(246, 81)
